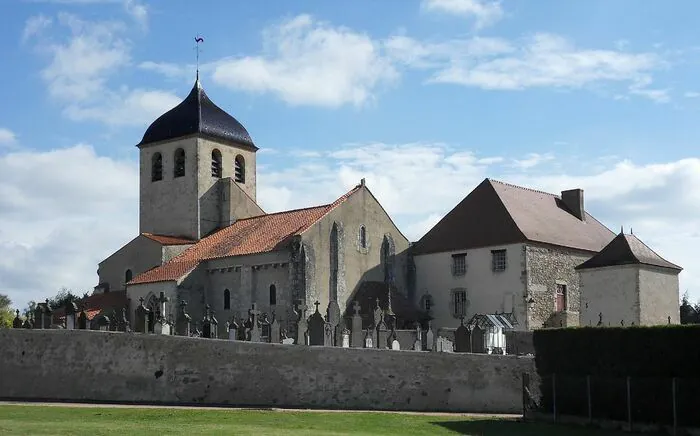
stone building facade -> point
(627, 283)
(508, 249)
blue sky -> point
(423, 98)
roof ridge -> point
(340, 200)
(524, 188)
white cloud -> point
(691, 94)
(547, 60)
(82, 63)
(484, 12)
(35, 25)
(59, 226)
(7, 136)
(138, 11)
(532, 160)
(307, 62)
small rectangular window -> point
(459, 264)
(561, 297)
(498, 260)
(459, 303)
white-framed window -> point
(498, 260)
(459, 302)
(459, 264)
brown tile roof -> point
(627, 250)
(497, 213)
(168, 240)
(261, 234)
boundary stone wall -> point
(84, 365)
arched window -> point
(227, 299)
(179, 169)
(387, 252)
(128, 276)
(273, 295)
(334, 245)
(239, 173)
(216, 164)
(363, 237)
(157, 167)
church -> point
(204, 240)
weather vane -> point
(198, 40)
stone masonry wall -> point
(79, 365)
(545, 267)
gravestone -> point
(141, 317)
(103, 323)
(28, 321)
(82, 320)
(368, 339)
(71, 311)
(113, 326)
(233, 329)
(356, 326)
(334, 320)
(346, 338)
(462, 338)
(477, 340)
(254, 323)
(377, 316)
(302, 327)
(395, 345)
(274, 330)
(123, 323)
(328, 336)
(418, 343)
(285, 339)
(17, 322)
(430, 338)
(182, 322)
(316, 326)
(444, 345)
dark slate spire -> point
(627, 250)
(197, 114)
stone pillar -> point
(333, 314)
(356, 328)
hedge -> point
(658, 351)
(650, 356)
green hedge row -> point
(658, 351)
(650, 356)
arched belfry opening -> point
(334, 254)
(216, 164)
(239, 169)
(179, 168)
(156, 167)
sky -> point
(422, 98)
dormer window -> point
(179, 170)
(216, 164)
(157, 167)
(239, 169)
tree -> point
(690, 314)
(6, 313)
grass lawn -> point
(94, 421)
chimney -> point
(573, 199)
(362, 182)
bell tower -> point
(197, 170)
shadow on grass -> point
(516, 427)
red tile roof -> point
(260, 234)
(168, 240)
(96, 303)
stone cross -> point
(356, 307)
(253, 312)
(301, 324)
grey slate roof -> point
(498, 213)
(197, 114)
(627, 250)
